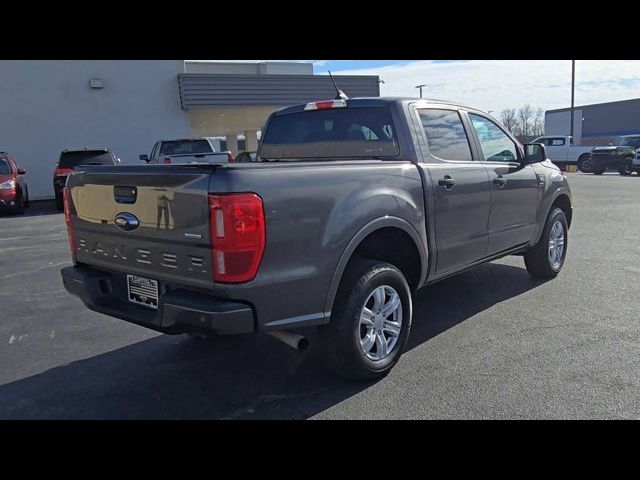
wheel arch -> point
(392, 228)
(563, 202)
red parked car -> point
(14, 194)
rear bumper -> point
(179, 311)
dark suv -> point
(619, 157)
(72, 159)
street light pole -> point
(420, 87)
(573, 89)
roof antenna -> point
(340, 94)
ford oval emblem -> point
(127, 221)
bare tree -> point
(524, 120)
(538, 123)
(508, 119)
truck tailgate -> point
(151, 221)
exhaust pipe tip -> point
(303, 344)
(294, 340)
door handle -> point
(500, 181)
(447, 182)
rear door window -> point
(362, 132)
(85, 157)
(445, 133)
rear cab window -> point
(74, 159)
(185, 147)
(334, 133)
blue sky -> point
(498, 84)
(321, 66)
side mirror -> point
(144, 158)
(118, 160)
(534, 153)
(22, 170)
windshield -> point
(185, 147)
(4, 167)
(332, 133)
(630, 142)
(85, 157)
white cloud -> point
(498, 84)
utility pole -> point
(573, 89)
(420, 87)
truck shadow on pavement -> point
(242, 377)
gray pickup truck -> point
(351, 206)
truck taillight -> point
(68, 205)
(237, 236)
(230, 158)
(166, 160)
(326, 104)
(62, 171)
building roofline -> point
(567, 109)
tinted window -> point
(332, 133)
(85, 157)
(4, 167)
(631, 142)
(185, 147)
(445, 134)
(496, 145)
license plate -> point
(143, 291)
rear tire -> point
(59, 202)
(546, 258)
(370, 321)
(583, 163)
(26, 202)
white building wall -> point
(559, 123)
(47, 106)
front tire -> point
(546, 258)
(370, 321)
(19, 208)
(626, 168)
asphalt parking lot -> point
(489, 343)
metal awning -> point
(207, 90)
